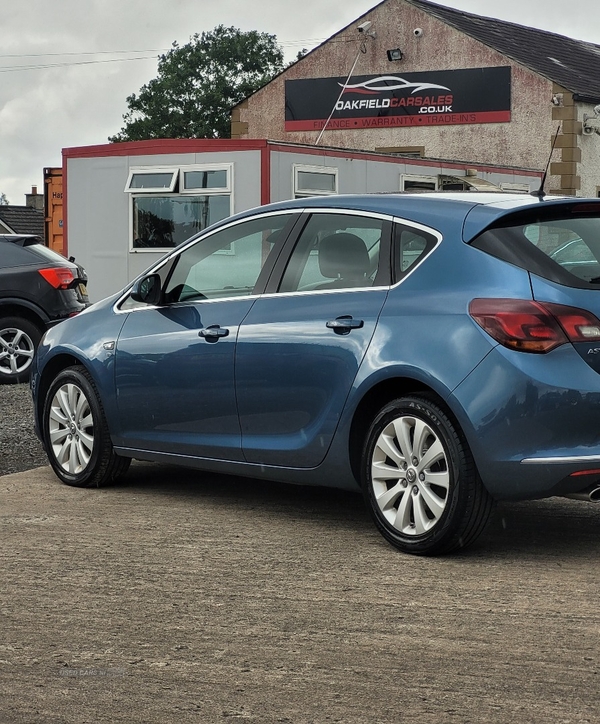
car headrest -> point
(343, 256)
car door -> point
(300, 346)
(175, 361)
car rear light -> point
(530, 326)
(59, 277)
(579, 325)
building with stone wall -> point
(419, 79)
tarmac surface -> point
(185, 597)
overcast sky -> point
(60, 85)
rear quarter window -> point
(12, 256)
(411, 245)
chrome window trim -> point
(278, 295)
(348, 212)
(179, 250)
(294, 210)
(181, 304)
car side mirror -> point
(147, 290)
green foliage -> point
(3, 200)
(198, 84)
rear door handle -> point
(343, 325)
(213, 333)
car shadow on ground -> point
(243, 492)
(551, 527)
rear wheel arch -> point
(11, 309)
(419, 479)
(20, 334)
(373, 401)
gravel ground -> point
(19, 447)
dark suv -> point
(38, 288)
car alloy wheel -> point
(71, 428)
(75, 432)
(409, 475)
(420, 481)
(18, 341)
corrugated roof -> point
(23, 219)
(573, 64)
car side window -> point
(13, 255)
(227, 263)
(335, 251)
(411, 245)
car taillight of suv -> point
(38, 288)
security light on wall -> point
(395, 54)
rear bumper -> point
(531, 422)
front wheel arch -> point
(53, 367)
(75, 431)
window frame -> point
(398, 276)
(148, 171)
(178, 182)
(221, 190)
(383, 279)
(421, 178)
(166, 264)
(299, 193)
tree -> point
(198, 84)
(3, 200)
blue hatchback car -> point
(433, 350)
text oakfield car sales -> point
(473, 95)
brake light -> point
(59, 277)
(530, 326)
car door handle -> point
(213, 333)
(343, 325)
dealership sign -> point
(432, 98)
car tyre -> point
(19, 339)
(420, 480)
(75, 432)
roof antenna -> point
(540, 193)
